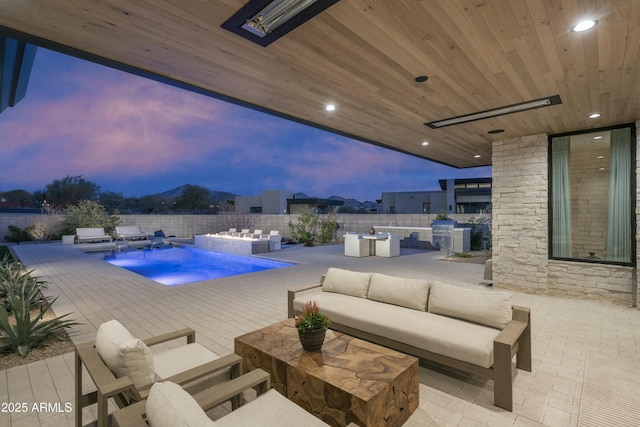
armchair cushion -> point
(410, 293)
(346, 282)
(124, 354)
(168, 405)
(491, 309)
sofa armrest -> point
(515, 339)
(186, 332)
(291, 295)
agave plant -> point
(21, 291)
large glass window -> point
(591, 196)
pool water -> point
(182, 265)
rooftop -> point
(568, 336)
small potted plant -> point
(312, 326)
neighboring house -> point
(296, 205)
(464, 195)
(270, 202)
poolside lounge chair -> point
(123, 368)
(170, 406)
(95, 234)
(130, 232)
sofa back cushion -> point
(125, 355)
(410, 293)
(346, 282)
(491, 309)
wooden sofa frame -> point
(134, 415)
(514, 340)
(122, 390)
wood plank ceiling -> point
(363, 56)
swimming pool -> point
(182, 265)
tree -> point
(70, 190)
(17, 196)
(193, 198)
(112, 201)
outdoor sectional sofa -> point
(475, 331)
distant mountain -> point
(355, 204)
(216, 196)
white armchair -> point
(389, 247)
(355, 246)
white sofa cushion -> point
(457, 339)
(346, 282)
(483, 307)
(124, 354)
(410, 293)
(168, 405)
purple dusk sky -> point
(136, 136)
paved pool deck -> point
(564, 331)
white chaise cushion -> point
(124, 354)
(346, 282)
(270, 410)
(179, 359)
(483, 307)
(410, 293)
(168, 405)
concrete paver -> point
(563, 330)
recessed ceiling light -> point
(601, 157)
(584, 25)
(594, 115)
(421, 79)
(601, 169)
(425, 143)
(330, 107)
(597, 137)
(477, 156)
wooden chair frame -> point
(122, 389)
(134, 415)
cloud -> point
(136, 136)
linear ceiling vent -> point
(515, 108)
(265, 21)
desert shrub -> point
(47, 227)
(304, 231)
(312, 227)
(17, 235)
(88, 214)
(20, 331)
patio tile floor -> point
(563, 331)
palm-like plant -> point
(21, 290)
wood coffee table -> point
(349, 380)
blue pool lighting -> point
(181, 265)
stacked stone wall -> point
(521, 231)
